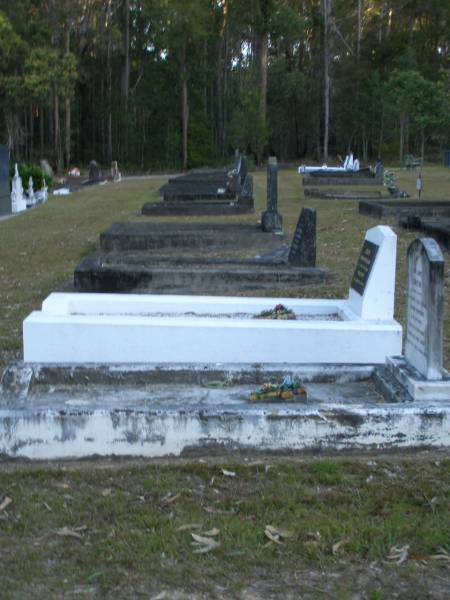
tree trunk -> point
(326, 73)
(68, 113)
(422, 144)
(57, 130)
(126, 77)
(109, 100)
(402, 138)
(41, 130)
(263, 56)
(184, 106)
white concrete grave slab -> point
(138, 329)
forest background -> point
(167, 84)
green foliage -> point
(247, 131)
(26, 171)
(201, 150)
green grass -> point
(131, 534)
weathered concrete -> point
(172, 419)
(315, 180)
(163, 275)
(138, 236)
(400, 208)
(197, 208)
(341, 194)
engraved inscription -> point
(364, 266)
(417, 316)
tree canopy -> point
(180, 83)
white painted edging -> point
(71, 329)
(50, 434)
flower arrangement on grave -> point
(279, 312)
(289, 389)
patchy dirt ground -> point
(251, 527)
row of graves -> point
(431, 218)
(158, 351)
(151, 256)
(227, 191)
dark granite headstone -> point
(364, 266)
(272, 184)
(243, 170)
(303, 247)
(5, 197)
(95, 172)
(271, 219)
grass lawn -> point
(123, 529)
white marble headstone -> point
(424, 310)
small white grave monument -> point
(138, 328)
(421, 370)
(31, 200)
(18, 201)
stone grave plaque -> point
(364, 266)
(424, 309)
(5, 198)
(302, 252)
(272, 184)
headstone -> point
(272, 184)
(372, 289)
(5, 198)
(419, 374)
(95, 172)
(31, 200)
(271, 219)
(303, 247)
(45, 166)
(18, 202)
(425, 305)
(243, 169)
(247, 189)
(115, 173)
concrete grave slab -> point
(157, 410)
(400, 208)
(86, 328)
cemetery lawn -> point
(373, 527)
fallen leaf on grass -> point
(170, 499)
(228, 473)
(212, 532)
(107, 492)
(442, 554)
(338, 545)
(4, 503)
(74, 533)
(399, 554)
(276, 535)
(203, 544)
(189, 526)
